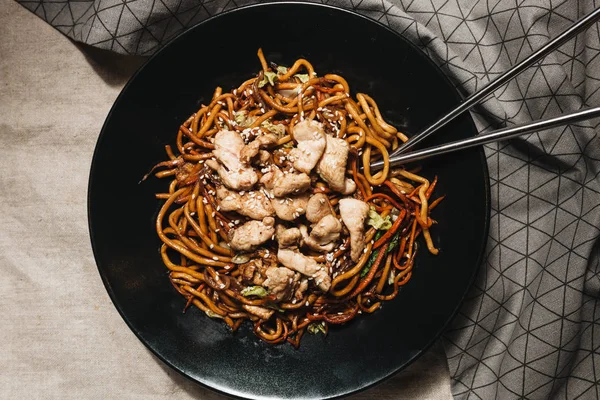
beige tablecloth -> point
(60, 336)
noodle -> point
(196, 234)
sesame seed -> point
(216, 258)
(213, 214)
(212, 246)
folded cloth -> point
(528, 327)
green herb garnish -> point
(254, 291)
(377, 221)
(303, 77)
(316, 327)
(268, 77)
(393, 243)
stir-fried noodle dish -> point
(272, 214)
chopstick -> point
(494, 136)
(580, 25)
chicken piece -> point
(317, 207)
(311, 144)
(264, 158)
(250, 150)
(287, 237)
(312, 243)
(242, 179)
(253, 271)
(327, 230)
(349, 187)
(353, 213)
(291, 207)
(233, 173)
(281, 282)
(332, 166)
(228, 146)
(307, 266)
(260, 312)
(252, 234)
(251, 204)
(282, 184)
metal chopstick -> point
(500, 134)
(476, 97)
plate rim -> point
(459, 96)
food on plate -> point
(273, 215)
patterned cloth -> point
(529, 327)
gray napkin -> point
(529, 327)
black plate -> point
(411, 92)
